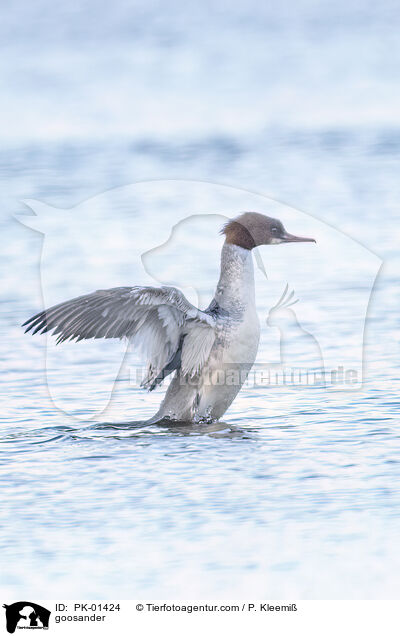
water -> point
(295, 494)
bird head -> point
(252, 229)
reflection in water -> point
(172, 427)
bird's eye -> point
(274, 229)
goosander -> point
(209, 351)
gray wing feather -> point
(153, 319)
(114, 313)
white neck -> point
(235, 289)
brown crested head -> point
(251, 229)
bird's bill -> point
(291, 238)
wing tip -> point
(37, 318)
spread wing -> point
(160, 322)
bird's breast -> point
(237, 339)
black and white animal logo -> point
(26, 615)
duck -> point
(209, 352)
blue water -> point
(296, 493)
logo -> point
(26, 615)
(316, 342)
